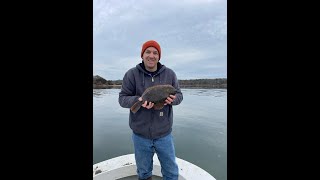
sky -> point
(192, 35)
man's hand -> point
(169, 99)
(146, 105)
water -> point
(199, 128)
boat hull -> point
(125, 166)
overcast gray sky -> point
(192, 35)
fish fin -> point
(158, 106)
(134, 108)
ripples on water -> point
(98, 93)
(205, 92)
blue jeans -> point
(144, 150)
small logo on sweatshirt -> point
(161, 113)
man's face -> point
(150, 57)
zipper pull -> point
(152, 79)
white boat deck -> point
(125, 166)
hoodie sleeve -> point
(127, 95)
(179, 96)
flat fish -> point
(156, 94)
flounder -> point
(156, 94)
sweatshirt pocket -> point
(140, 121)
(164, 113)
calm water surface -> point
(199, 128)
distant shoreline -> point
(218, 83)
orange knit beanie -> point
(151, 43)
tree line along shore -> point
(217, 83)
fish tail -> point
(136, 106)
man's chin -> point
(151, 65)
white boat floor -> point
(135, 177)
(124, 168)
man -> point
(151, 128)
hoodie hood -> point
(141, 67)
(143, 71)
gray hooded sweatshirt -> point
(149, 123)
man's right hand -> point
(146, 105)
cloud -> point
(190, 32)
